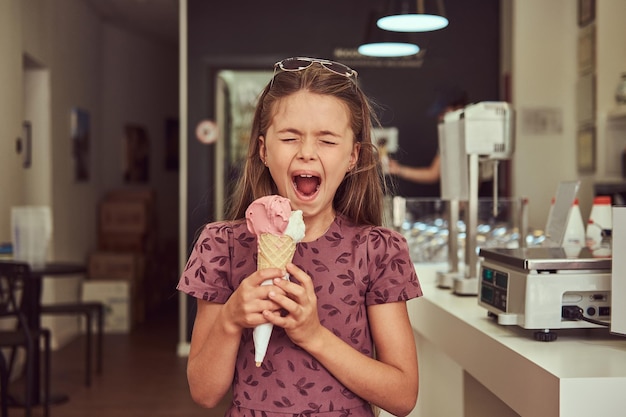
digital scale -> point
(544, 289)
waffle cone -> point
(275, 251)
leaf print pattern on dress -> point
(348, 279)
(283, 403)
(344, 258)
(313, 409)
(245, 240)
(303, 386)
(354, 336)
(250, 381)
(332, 310)
(334, 238)
(376, 240)
(220, 260)
(382, 297)
(204, 246)
(268, 369)
(321, 267)
(201, 273)
(311, 364)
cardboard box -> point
(127, 242)
(145, 194)
(126, 217)
(116, 266)
(123, 306)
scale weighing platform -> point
(543, 288)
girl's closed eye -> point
(328, 140)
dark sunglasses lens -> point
(294, 64)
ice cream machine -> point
(479, 133)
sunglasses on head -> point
(302, 63)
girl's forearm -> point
(385, 385)
(212, 357)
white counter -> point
(582, 373)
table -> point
(583, 372)
(32, 310)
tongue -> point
(307, 185)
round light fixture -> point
(388, 49)
(412, 22)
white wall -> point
(544, 38)
(58, 40)
(36, 96)
(11, 191)
(545, 74)
(75, 64)
(74, 59)
(139, 86)
(611, 63)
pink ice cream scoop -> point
(269, 214)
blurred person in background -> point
(448, 100)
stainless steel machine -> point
(544, 289)
(478, 133)
(454, 187)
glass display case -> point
(424, 224)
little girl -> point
(342, 339)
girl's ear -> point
(262, 150)
(354, 155)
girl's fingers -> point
(261, 275)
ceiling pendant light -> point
(380, 43)
(411, 16)
(388, 49)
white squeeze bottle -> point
(550, 211)
(574, 238)
(600, 219)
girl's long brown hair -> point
(360, 195)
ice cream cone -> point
(273, 252)
(278, 228)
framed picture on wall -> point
(136, 154)
(586, 12)
(27, 144)
(586, 149)
(587, 50)
(80, 131)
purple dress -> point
(351, 266)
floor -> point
(142, 376)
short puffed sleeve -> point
(392, 276)
(208, 272)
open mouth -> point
(306, 184)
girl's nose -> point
(308, 149)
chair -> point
(4, 387)
(91, 310)
(17, 334)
